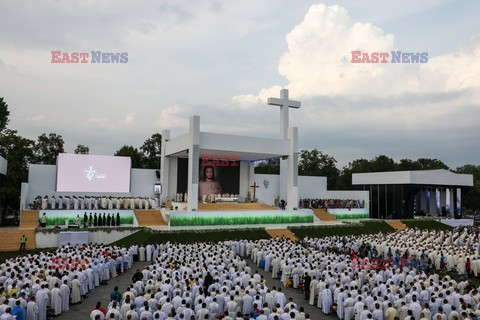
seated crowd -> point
(32, 284)
(331, 203)
(92, 203)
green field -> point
(148, 236)
(51, 221)
(366, 227)
(426, 224)
(351, 215)
(177, 221)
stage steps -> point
(323, 215)
(285, 233)
(396, 224)
(29, 219)
(147, 218)
(10, 239)
(233, 206)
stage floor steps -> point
(29, 219)
(148, 218)
(233, 206)
(397, 225)
(323, 215)
(10, 239)
(278, 233)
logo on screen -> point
(91, 174)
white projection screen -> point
(90, 173)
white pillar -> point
(292, 169)
(193, 163)
(283, 179)
(164, 166)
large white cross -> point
(284, 104)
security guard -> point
(23, 242)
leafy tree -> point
(409, 164)
(81, 149)
(356, 166)
(133, 153)
(471, 198)
(4, 114)
(48, 147)
(316, 163)
(382, 163)
(19, 153)
(151, 150)
(430, 164)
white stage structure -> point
(195, 143)
(404, 194)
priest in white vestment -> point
(65, 294)
(56, 300)
(76, 295)
(32, 310)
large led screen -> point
(89, 173)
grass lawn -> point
(426, 224)
(366, 227)
(148, 236)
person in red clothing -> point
(98, 310)
(468, 267)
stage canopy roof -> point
(439, 177)
(218, 145)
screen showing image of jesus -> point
(91, 173)
(226, 177)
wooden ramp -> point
(10, 239)
(285, 233)
(396, 224)
(323, 215)
(147, 218)
(233, 206)
(29, 219)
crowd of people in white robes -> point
(54, 280)
(400, 275)
(92, 203)
(200, 281)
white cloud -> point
(172, 117)
(318, 61)
(128, 120)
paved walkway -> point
(297, 295)
(82, 310)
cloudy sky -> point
(222, 60)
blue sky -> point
(222, 59)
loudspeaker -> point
(158, 174)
